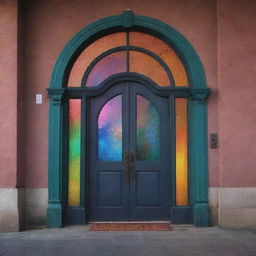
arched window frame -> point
(196, 93)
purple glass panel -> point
(110, 65)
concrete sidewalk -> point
(77, 240)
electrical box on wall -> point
(39, 99)
(213, 140)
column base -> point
(54, 215)
(201, 215)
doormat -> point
(130, 226)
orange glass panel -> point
(161, 49)
(109, 65)
(146, 65)
(90, 53)
(181, 152)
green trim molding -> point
(197, 110)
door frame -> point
(196, 93)
(162, 103)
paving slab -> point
(78, 240)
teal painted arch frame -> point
(198, 91)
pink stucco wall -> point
(237, 94)
(49, 25)
(220, 31)
(8, 92)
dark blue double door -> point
(129, 172)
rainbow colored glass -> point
(74, 152)
(148, 136)
(181, 152)
(138, 62)
(91, 52)
(110, 130)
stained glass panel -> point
(148, 136)
(181, 152)
(110, 130)
(146, 65)
(74, 152)
(161, 49)
(91, 52)
(110, 65)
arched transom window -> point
(128, 52)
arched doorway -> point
(127, 128)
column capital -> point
(199, 95)
(56, 95)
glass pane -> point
(146, 65)
(91, 52)
(161, 49)
(110, 131)
(148, 134)
(74, 152)
(110, 65)
(181, 152)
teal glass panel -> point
(148, 134)
(110, 130)
(108, 66)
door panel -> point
(129, 120)
(144, 196)
(150, 190)
(109, 198)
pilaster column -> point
(198, 156)
(55, 204)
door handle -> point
(132, 167)
(127, 168)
